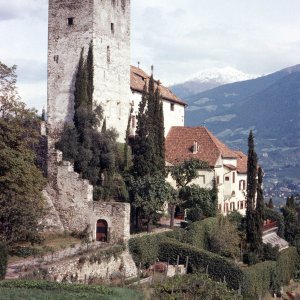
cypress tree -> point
(251, 231)
(270, 204)
(149, 144)
(259, 214)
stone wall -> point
(70, 205)
(106, 24)
(84, 268)
(117, 215)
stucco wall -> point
(171, 118)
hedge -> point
(54, 286)
(286, 264)
(257, 279)
(198, 231)
(218, 267)
(3, 260)
(144, 249)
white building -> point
(228, 167)
(173, 107)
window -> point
(219, 207)
(108, 54)
(233, 177)
(242, 185)
(172, 106)
(56, 57)
(232, 206)
(70, 21)
(133, 122)
(226, 208)
(112, 28)
(227, 178)
(218, 179)
(242, 205)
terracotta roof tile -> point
(180, 140)
(241, 162)
(137, 83)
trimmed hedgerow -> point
(55, 286)
(3, 260)
(198, 232)
(216, 266)
(257, 279)
(144, 250)
(286, 264)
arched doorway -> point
(101, 231)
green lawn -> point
(22, 290)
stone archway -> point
(102, 231)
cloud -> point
(179, 38)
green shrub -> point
(3, 260)
(216, 266)
(270, 252)
(193, 286)
(194, 214)
(257, 279)
(286, 264)
(144, 250)
(198, 232)
(52, 286)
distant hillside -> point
(269, 104)
(208, 79)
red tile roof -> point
(137, 83)
(180, 140)
(241, 162)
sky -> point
(178, 37)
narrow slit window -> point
(112, 28)
(70, 21)
(108, 54)
(172, 106)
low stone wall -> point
(88, 267)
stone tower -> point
(73, 25)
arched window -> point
(101, 231)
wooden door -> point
(101, 231)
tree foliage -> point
(149, 144)
(94, 152)
(196, 198)
(291, 228)
(3, 260)
(21, 182)
(149, 194)
(254, 213)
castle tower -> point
(73, 25)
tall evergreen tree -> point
(251, 232)
(259, 214)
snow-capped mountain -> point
(208, 79)
(221, 75)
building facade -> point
(227, 167)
